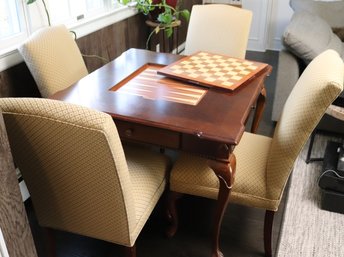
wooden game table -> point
(173, 114)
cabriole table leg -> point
(225, 172)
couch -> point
(307, 35)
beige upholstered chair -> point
(53, 59)
(264, 164)
(218, 28)
(79, 178)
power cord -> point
(330, 171)
(103, 59)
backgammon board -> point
(146, 83)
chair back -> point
(53, 59)
(218, 28)
(318, 86)
(72, 161)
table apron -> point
(134, 132)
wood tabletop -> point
(219, 116)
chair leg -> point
(309, 152)
(130, 251)
(268, 222)
(171, 213)
(51, 242)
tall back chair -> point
(53, 59)
(264, 164)
(218, 28)
(79, 178)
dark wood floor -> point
(241, 234)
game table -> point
(153, 109)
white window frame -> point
(10, 56)
(3, 248)
(13, 39)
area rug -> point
(307, 230)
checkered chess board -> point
(209, 69)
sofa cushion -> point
(331, 11)
(307, 35)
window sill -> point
(10, 56)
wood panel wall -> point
(13, 220)
(113, 40)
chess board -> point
(216, 70)
(146, 83)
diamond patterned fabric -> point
(264, 164)
(148, 181)
(76, 171)
(53, 59)
(318, 86)
(191, 174)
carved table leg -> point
(259, 110)
(130, 251)
(225, 172)
(172, 214)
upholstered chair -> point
(218, 28)
(264, 164)
(53, 59)
(78, 175)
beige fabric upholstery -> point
(264, 164)
(218, 28)
(53, 59)
(78, 176)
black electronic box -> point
(331, 181)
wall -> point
(13, 221)
(279, 19)
(270, 17)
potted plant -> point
(164, 12)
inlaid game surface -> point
(145, 82)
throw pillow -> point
(307, 35)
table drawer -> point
(147, 134)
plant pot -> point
(172, 3)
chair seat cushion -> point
(191, 174)
(148, 172)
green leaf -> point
(169, 31)
(165, 18)
(186, 14)
(30, 1)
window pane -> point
(59, 11)
(77, 7)
(94, 4)
(69, 11)
(9, 19)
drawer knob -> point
(128, 132)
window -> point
(14, 26)
(11, 22)
(18, 20)
(69, 11)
